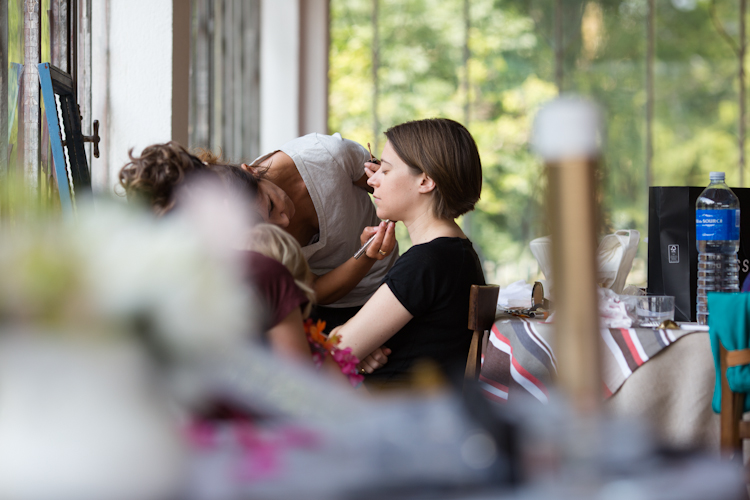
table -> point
(665, 377)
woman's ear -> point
(247, 168)
(426, 185)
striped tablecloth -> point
(519, 359)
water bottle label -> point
(712, 225)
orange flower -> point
(315, 332)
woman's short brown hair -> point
(446, 152)
(155, 176)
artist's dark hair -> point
(446, 152)
(155, 176)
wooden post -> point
(199, 87)
(30, 96)
(4, 125)
(251, 79)
(217, 80)
(566, 134)
(559, 46)
(732, 405)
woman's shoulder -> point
(274, 283)
(438, 251)
(261, 269)
(443, 244)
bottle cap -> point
(716, 176)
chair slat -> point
(482, 307)
(732, 404)
(738, 358)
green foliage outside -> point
(512, 73)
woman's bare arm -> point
(378, 320)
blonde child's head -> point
(274, 242)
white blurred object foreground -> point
(83, 419)
(94, 317)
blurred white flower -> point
(116, 270)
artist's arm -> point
(335, 284)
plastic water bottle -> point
(717, 234)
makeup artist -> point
(315, 187)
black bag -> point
(672, 250)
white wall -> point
(314, 66)
(279, 72)
(140, 67)
(146, 46)
(293, 70)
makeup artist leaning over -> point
(315, 187)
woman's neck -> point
(426, 227)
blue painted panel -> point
(55, 138)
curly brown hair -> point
(155, 176)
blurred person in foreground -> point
(292, 312)
(164, 174)
(430, 173)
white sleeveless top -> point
(329, 166)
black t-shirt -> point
(432, 281)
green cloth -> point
(729, 321)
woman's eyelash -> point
(270, 206)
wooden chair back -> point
(482, 307)
(733, 428)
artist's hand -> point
(377, 359)
(371, 168)
(384, 242)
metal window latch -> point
(91, 138)
(94, 138)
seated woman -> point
(430, 174)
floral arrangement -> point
(323, 346)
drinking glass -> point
(652, 310)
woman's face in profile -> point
(273, 204)
(395, 187)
